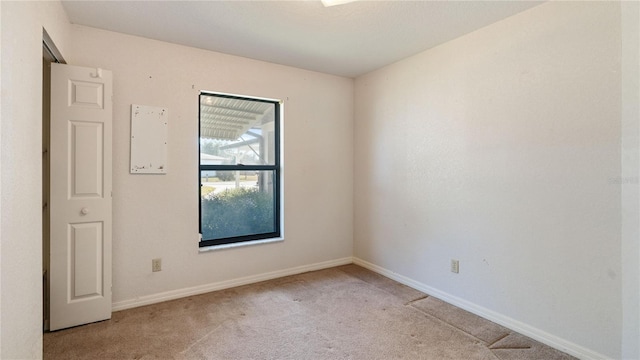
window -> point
(239, 169)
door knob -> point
(84, 211)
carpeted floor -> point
(345, 312)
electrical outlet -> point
(455, 266)
(156, 265)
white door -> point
(80, 205)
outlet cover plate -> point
(156, 265)
(455, 266)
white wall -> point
(21, 176)
(157, 215)
(630, 176)
(502, 149)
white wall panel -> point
(502, 149)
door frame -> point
(50, 54)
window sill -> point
(239, 244)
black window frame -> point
(276, 168)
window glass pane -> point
(236, 203)
(236, 131)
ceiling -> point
(347, 40)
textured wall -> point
(502, 149)
(157, 216)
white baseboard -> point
(515, 325)
(180, 293)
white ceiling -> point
(347, 40)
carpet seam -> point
(414, 300)
(499, 339)
(487, 346)
(409, 304)
(460, 330)
(455, 327)
(449, 324)
(194, 343)
(511, 348)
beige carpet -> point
(340, 313)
